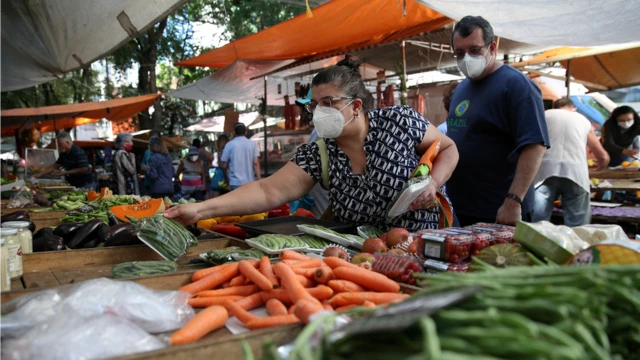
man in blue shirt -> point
(497, 122)
(75, 164)
(239, 161)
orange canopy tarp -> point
(51, 118)
(613, 67)
(336, 27)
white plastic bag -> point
(69, 336)
(153, 311)
(594, 234)
(561, 235)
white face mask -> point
(193, 158)
(625, 124)
(472, 66)
(329, 122)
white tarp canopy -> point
(42, 40)
(216, 123)
(552, 22)
(233, 84)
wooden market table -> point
(614, 174)
(619, 185)
(621, 214)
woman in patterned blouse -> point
(371, 156)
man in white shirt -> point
(240, 159)
(564, 172)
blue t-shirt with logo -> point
(490, 121)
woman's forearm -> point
(444, 164)
(259, 196)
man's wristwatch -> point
(515, 197)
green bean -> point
(432, 348)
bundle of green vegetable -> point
(143, 268)
(98, 209)
(167, 237)
(520, 313)
(277, 242)
(233, 253)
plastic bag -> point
(594, 234)
(70, 336)
(21, 199)
(561, 235)
(153, 311)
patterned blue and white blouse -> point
(394, 134)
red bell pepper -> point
(283, 210)
(230, 230)
(304, 213)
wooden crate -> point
(36, 215)
(53, 268)
(47, 222)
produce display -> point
(516, 313)
(504, 255)
(435, 267)
(444, 245)
(167, 237)
(293, 290)
(142, 268)
(367, 231)
(98, 209)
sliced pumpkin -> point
(138, 211)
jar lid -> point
(1, 241)
(16, 224)
(8, 231)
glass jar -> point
(23, 233)
(5, 280)
(14, 247)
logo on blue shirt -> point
(462, 108)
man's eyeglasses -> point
(325, 101)
(475, 50)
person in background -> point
(192, 170)
(497, 122)
(75, 164)
(144, 164)
(161, 170)
(371, 154)
(446, 101)
(125, 165)
(564, 171)
(207, 160)
(240, 159)
(621, 135)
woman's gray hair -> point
(121, 138)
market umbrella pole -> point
(264, 119)
(568, 78)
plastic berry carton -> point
(498, 235)
(479, 239)
(435, 266)
(444, 245)
(397, 267)
(498, 227)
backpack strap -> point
(324, 161)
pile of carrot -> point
(293, 290)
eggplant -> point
(92, 243)
(19, 215)
(84, 234)
(43, 232)
(196, 231)
(113, 220)
(122, 235)
(101, 232)
(68, 231)
(48, 243)
(32, 226)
